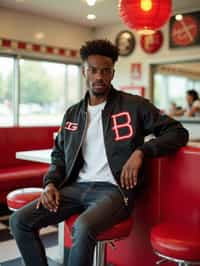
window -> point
(73, 84)
(40, 92)
(171, 89)
(6, 91)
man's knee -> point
(17, 222)
(82, 229)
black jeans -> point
(101, 205)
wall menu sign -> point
(185, 32)
(136, 71)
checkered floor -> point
(8, 249)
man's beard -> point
(99, 94)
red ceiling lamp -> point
(145, 16)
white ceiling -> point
(75, 11)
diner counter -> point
(187, 119)
(192, 124)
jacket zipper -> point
(125, 198)
(81, 142)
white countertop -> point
(42, 156)
(187, 119)
(194, 144)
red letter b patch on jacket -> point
(123, 130)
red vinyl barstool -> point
(116, 232)
(20, 197)
(177, 242)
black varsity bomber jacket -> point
(126, 120)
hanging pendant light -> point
(145, 16)
(91, 2)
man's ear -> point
(113, 74)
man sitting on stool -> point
(95, 162)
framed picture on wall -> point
(125, 42)
(185, 31)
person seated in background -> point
(193, 103)
(193, 106)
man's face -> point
(98, 71)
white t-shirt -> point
(95, 167)
(196, 104)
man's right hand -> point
(50, 198)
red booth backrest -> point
(20, 139)
(16, 173)
(180, 186)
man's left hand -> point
(130, 170)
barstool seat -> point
(177, 242)
(116, 232)
(20, 197)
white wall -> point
(21, 26)
(122, 76)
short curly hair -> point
(194, 94)
(99, 47)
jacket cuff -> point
(147, 150)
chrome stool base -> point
(180, 262)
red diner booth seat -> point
(14, 178)
(116, 232)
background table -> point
(42, 156)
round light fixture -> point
(145, 16)
(91, 16)
(39, 35)
(91, 2)
(179, 17)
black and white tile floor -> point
(9, 254)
